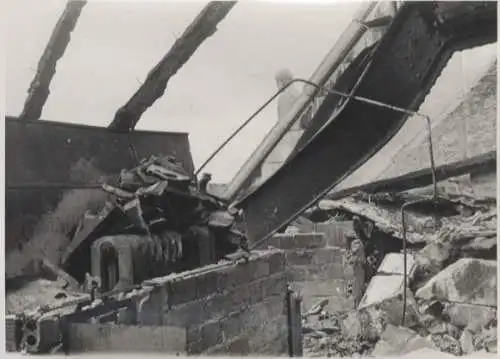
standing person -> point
(286, 102)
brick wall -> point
(320, 265)
(231, 309)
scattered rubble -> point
(451, 301)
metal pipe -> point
(244, 124)
(346, 42)
(390, 107)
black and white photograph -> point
(250, 178)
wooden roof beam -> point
(39, 91)
(204, 25)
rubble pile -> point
(449, 300)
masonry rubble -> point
(450, 303)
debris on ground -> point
(451, 285)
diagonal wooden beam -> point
(204, 25)
(38, 91)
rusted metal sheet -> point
(49, 167)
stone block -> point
(207, 284)
(274, 285)
(187, 314)
(153, 307)
(277, 262)
(288, 241)
(393, 263)
(231, 325)
(113, 338)
(243, 273)
(337, 234)
(182, 290)
(386, 292)
(380, 288)
(256, 316)
(468, 280)
(318, 256)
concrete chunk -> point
(393, 263)
(381, 288)
(386, 293)
(468, 280)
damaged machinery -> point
(158, 221)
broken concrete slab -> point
(393, 263)
(381, 288)
(389, 280)
(468, 280)
(387, 221)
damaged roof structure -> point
(156, 243)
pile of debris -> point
(449, 300)
(158, 218)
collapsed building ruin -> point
(156, 262)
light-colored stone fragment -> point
(468, 280)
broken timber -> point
(423, 177)
(39, 88)
(154, 87)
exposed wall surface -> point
(469, 130)
(320, 265)
(41, 154)
(231, 309)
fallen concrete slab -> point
(393, 264)
(471, 281)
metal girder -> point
(401, 72)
